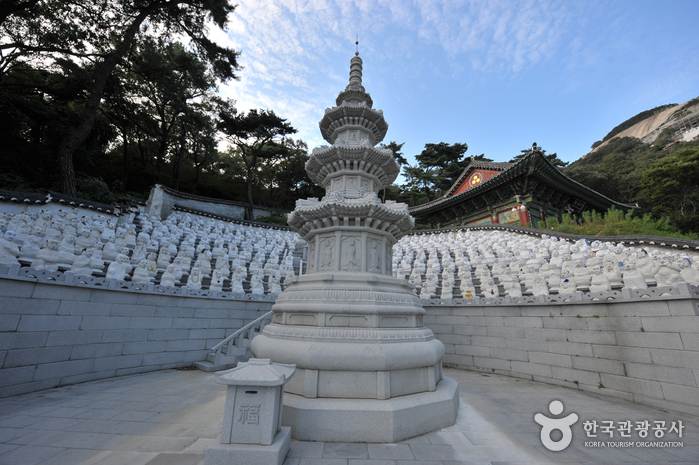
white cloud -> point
(290, 47)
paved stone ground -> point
(170, 417)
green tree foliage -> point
(615, 223)
(438, 167)
(671, 188)
(97, 36)
(257, 135)
(396, 148)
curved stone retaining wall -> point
(58, 334)
(643, 349)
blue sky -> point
(497, 75)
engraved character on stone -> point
(249, 414)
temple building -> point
(503, 193)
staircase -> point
(235, 348)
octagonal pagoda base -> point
(371, 420)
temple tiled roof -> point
(535, 165)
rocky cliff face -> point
(681, 123)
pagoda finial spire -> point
(355, 81)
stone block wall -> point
(53, 335)
(641, 350)
(162, 199)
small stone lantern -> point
(252, 419)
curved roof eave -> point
(532, 159)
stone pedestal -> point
(252, 433)
(367, 368)
(251, 454)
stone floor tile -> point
(199, 446)
(98, 414)
(291, 461)
(131, 427)
(435, 452)
(155, 444)
(134, 416)
(169, 407)
(175, 459)
(4, 448)
(67, 412)
(416, 440)
(371, 462)
(28, 455)
(73, 457)
(40, 437)
(419, 462)
(389, 451)
(53, 424)
(122, 458)
(7, 434)
(82, 440)
(306, 449)
(96, 426)
(19, 421)
(315, 461)
(345, 450)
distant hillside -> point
(616, 166)
(667, 122)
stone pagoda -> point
(367, 368)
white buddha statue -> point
(489, 288)
(119, 268)
(513, 288)
(139, 252)
(204, 263)
(216, 281)
(47, 257)
(647, 265)
(611, 271)
(194, 281)
(540, 287)
(8, 249)
(582, 275)
(688, 272)
(83, 242)
(168, 277)
(239, 275)
(82, 265)
(30, 247)
(110, 251)
(468, 290)
(599, 281)
(633, 277)
(667, 274)
(256, 284)
(567, 285)
(447, 286)
(151, 264)
(275, 287)
(66, 251)
(140, 274)
(121, 242)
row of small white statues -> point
(517, 264)
(239, 249)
